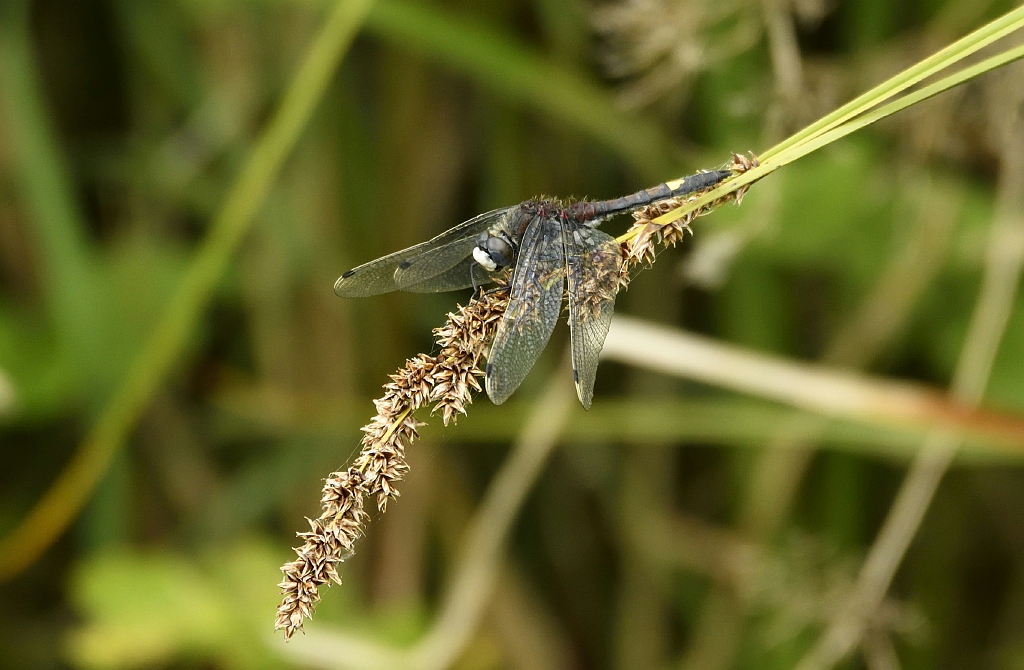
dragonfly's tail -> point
(691, 184)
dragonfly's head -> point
(493, 250)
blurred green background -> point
(124, 123)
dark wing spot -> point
(405, 265)
(348, 274)
(575, 376)
(489, 367)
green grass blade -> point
(44, 184)
(906, 101)
(73, 487)
(962, 48)
(821, 139)
(723, 420)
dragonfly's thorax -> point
(497, 247)
(571, 214)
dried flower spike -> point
(446, 380)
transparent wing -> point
(433, 262)
(378, 276)
(592, 261)
(456, 278)
(534, 305)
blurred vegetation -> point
(124, 125)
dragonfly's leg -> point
(492, 291)
(472, 278)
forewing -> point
(378, 276)
(534, 305)
(433, 262)
(592, 259)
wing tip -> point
(584, 392)
(345, 288)
(492, 393)
(585, 398)
(339, 286)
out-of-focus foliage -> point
(124, 122)
(145, 608)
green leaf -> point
(159, 607)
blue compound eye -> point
(499, 250)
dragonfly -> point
(555, 251)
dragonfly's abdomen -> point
(588, 211)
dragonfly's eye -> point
(499, 250)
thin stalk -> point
(935, 63)
(793, 151)
(821, 389)
(944, 84)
